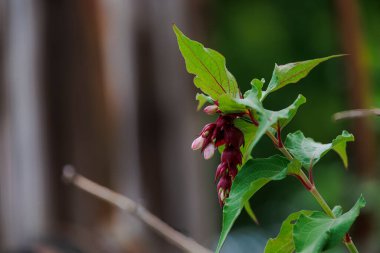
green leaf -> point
(294, 167)
(202, 100)
(258, 86)
(337, 211)
(208, 66)
(228, 104)
(268, 118)
(284, 242)
(318, 232)
(291, 111)
(310, 152)
(248, 209)
(339, 145)
(292, 73)
(251, 100)
(252, 177)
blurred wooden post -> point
(187, 198)
(80, 122)
(154, 113)
(117, 107)
(23, 192)
(359, 85)
(360, 96)
(120, 56)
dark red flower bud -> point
(231, 156)
(207, 129)
(219, 142)
(222, 167)
(223, 188)
(233, 171)
(233, 136)
(218, 136)
(225, 182)
(213, 135)
(222, 121)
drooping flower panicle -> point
(213, 135)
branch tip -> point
(68, 173)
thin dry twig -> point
(357, 113)
(128, 205)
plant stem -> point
(279, 139)
(286, 153)
(313, 190)
(350, 245)
(271, 136)
(322, 202)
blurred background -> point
(101, 84)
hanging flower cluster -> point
(213, 135)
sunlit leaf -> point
(202, 100)
(292, 73)
(208, 66)
(228, 104)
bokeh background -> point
(101, 84)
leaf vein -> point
(208, 71)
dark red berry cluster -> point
(213, 135)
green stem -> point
(286, 153)
(313, 190)
(321, 201)
(351, 247)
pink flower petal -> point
(211, 109)
(209, 151)
(197, 143)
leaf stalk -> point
(254, 121)
(280, 144)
